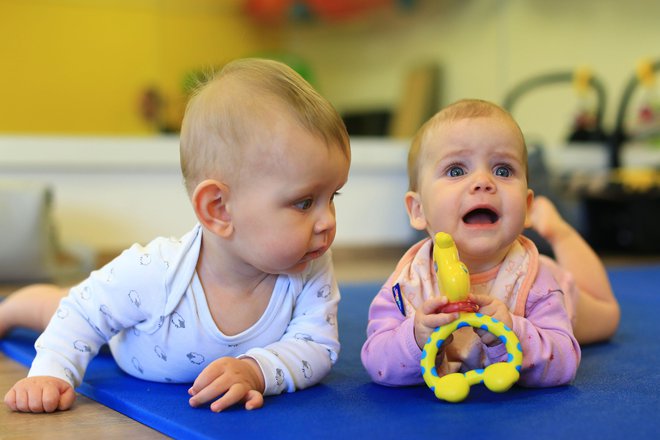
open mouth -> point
(481, 216)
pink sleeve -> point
(390, 354)
(551, 354)
(566, 284)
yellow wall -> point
(80, 66)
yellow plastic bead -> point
(500, 377)
(452, 387)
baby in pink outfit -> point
(468, 178)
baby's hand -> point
(39, 394)
(427, 319)
(494, 308)
(236, 380)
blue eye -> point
(502, 171)
(304, 205)
(455, 171)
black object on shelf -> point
(368, 123)
(618, 221)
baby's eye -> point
(335, 194)
(304, 205)
(455, 171)
(503, 171)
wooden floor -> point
(88, 419)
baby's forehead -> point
(496, 117)
(450, 132)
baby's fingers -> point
(481, 300)
(432, 305)
(57, 398)
(209, 392)
(440, 319)
(254, 400)
(40, 394)
(208, 375)
(201, 382)
(10, 399)
(66, 399)
(50, 399)
(31, 400)
(237, 393)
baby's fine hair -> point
(223, 112)
(463, 109)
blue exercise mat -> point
(614, 396)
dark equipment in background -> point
(622, 217)
(540, 178)
(592, 132)
(614, 216)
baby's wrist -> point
(420, 343)
(258, 380)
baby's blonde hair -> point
(463, 109)
(221, 115)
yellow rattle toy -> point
(454, 281)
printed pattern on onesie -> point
(150, 305)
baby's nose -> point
(326, 221)
(483, 182)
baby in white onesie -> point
(244, 305)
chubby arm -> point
(88, 317)
(113, 298)
(551, 354)
(393, 349)
(390, 354)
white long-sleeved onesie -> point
(149, 305)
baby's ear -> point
(209, 201)
(415, 211)
(528, 212)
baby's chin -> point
(297, 269)
(483, 252)
(300, 266)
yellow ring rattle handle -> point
(498, 377)
(454, 282)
